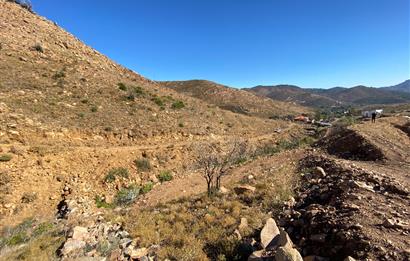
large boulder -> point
(287, 254)
(269, 234)
(284, 239)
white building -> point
(368, 114)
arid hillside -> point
(52, 83)
(69, 115)
(100, 163)
(236, 100)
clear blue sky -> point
(242, 43)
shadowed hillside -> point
(293, 94)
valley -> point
(100, 163)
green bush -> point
(17, 235)
(18, 239)
(94, 108)
(134, 92)
(345, 121)
(42, 228)
(116, 172)
(59, 75)
(147, 187)
(38, 48)
(165, 175)
(5, 157)
(143, 164)
(127, 195)
(158, 101)
(181, 125)
(178, 105)
(122, 86)
(100, 203)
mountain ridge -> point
(357, 95)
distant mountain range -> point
(358, 95)
(402, 87)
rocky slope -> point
(236, 100)
(70, 116)
(52, 82)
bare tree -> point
(214, 161)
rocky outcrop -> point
(101, 239)
(276, 245)
(341, 211)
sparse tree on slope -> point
(214, 161)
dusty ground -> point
(83, 168)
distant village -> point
(328, 121)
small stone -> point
(242, 189)
(223, 190)
(238, 234)
(115, 255)
(243, 225)
(318, 238)
(256, 256)
(125, 242)
(123, 234)
(139, 253)
(319, 172)
(291, 202)
(363, 185)
(349, 258)
(80, 233)
(92, 253)
(71, 245)
(154, 178)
